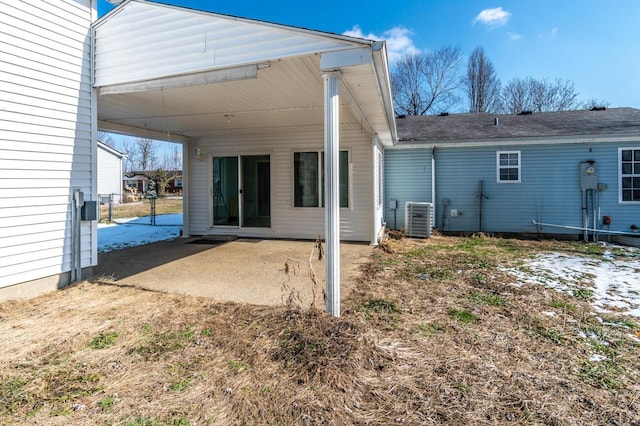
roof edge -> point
(111, 149)
(466, 143)
(315, 33)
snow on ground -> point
(136, 231)
(611, 283)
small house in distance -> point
(109, 173)
(569, 173)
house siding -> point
(46, 128)
(195, 41)
(549, 190)
(109, 174)
(286, 220)
(407, 178)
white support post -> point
(186, 187)
(331, 190)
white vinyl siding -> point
(46, 126)
(194, 40)
(287, 221)
(109, 174)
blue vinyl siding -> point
(549, 190)
(407, 177)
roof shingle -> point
(482, 126)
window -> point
(508, 166)
(177, 183)
(308, 179)
(629, 174)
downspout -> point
(433, 176)
(433, 186)
(585, 217)
(77, 200)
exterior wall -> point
(549, 190)
(286, 220)
(46, 137)
(109, 174)
(407, 178)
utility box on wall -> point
(588, 175)
(89, 211)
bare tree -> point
(129, 149)
(426, 82)
(145, 152)
(530, 94)
(516, 96)
(170, 169)
(482, 83)
(106, 139)
(594, 103)
(172, 160)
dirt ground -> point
(242, 270)
(434, 332)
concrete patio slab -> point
(244, 270)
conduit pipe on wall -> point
(76, 246)
(433, 180)
(580, 228)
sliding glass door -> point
(242, 191)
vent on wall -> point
(418, 219)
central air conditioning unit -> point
(418, 219)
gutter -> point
(571, 140)
(381, 70)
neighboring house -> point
(139, 182)
(247, 100)
(47, 150)
(136, 182)
(109, 173)
(532, 168)
(174, 186)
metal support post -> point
(332, 188)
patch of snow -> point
(615, 282)
(161, 220)
(549, 313)
(598, 358)
(137, 231)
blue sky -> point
(594, 43)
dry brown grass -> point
(398, 355)
(141, 208)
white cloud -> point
(398, 39)
(513, 36)
(493, 17)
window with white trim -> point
(308, 179)
(629, 174)
(508, 166)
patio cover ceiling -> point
(262, 77)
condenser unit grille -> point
(418, 219)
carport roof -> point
(173, 73)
